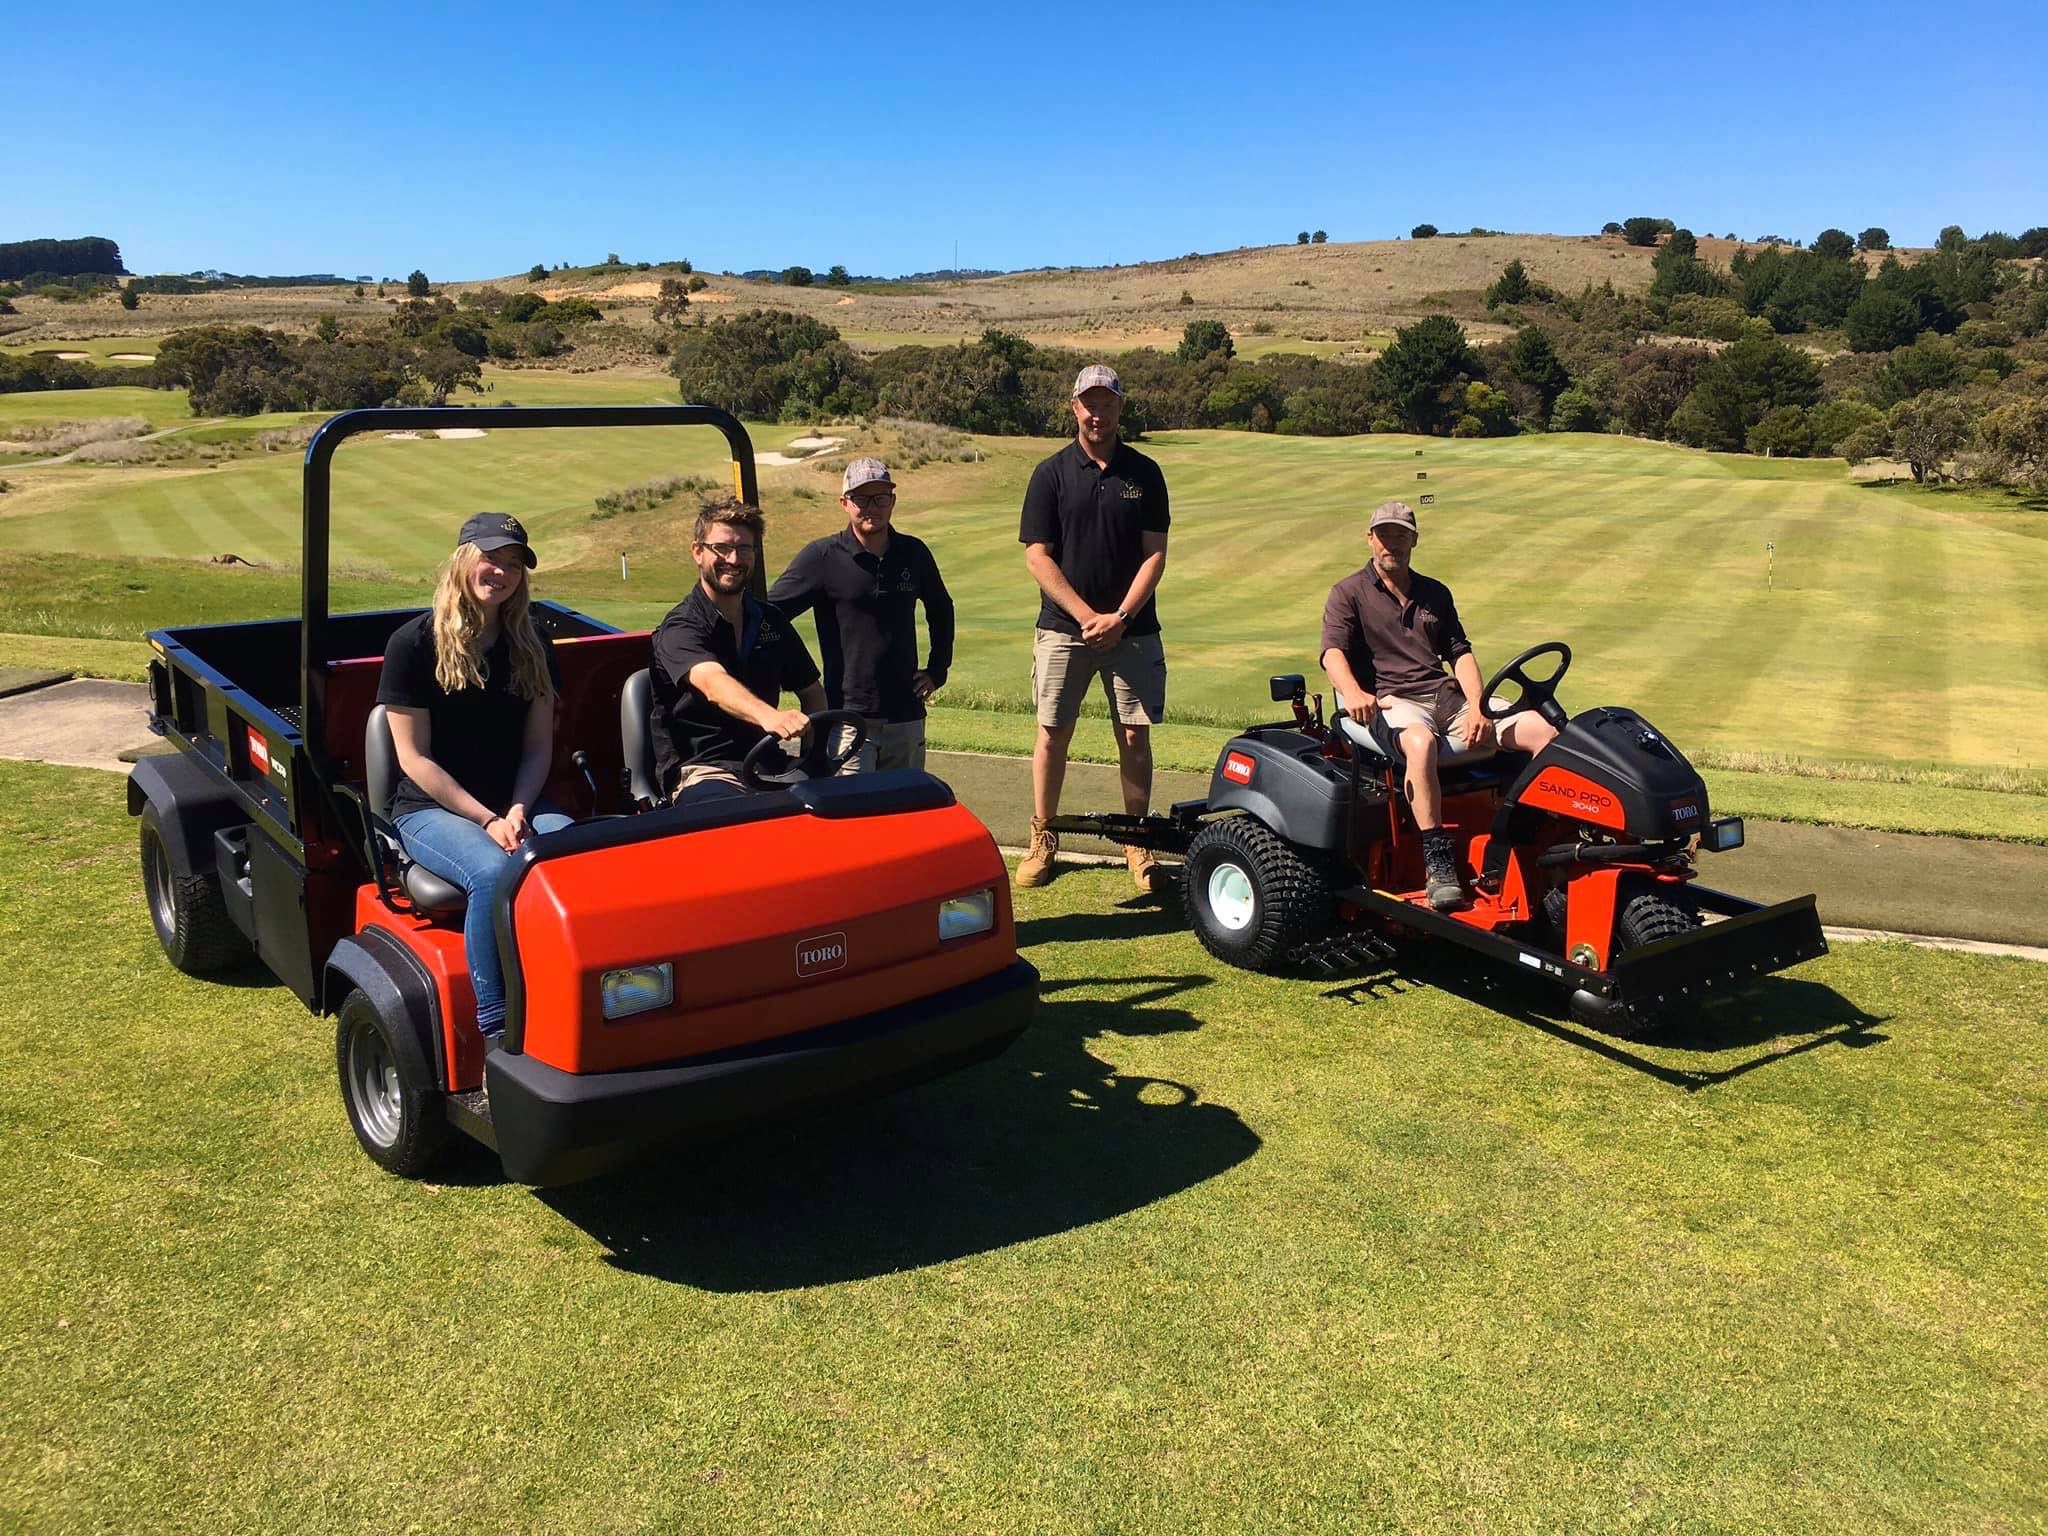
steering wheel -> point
(817, 760)
(1537, 693)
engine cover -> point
(1611, 768)
(1279, 776)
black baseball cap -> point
(496, 530)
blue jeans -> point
(462, 853)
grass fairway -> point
(1899, 625)
(1202, 1252)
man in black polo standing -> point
(865, 582)
(1094, 535)
(722, 661)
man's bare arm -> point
(737, 700)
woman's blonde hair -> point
(459, 626)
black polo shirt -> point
(768, 659)
(1095, 521)
(1395, 646)
(867, 619)
(477, 735)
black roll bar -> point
(318, 504)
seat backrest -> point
(380, 762)
(636, 737)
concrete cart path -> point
(84, 724)
(1896, 882)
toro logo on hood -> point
(1238, 768)
(816, 956)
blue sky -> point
(475, 141)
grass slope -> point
(1203, 1251)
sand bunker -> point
(133, 357)
(806, 448)
(444, 433)
(775, 460)
(74, 357)
(847, 300)
(813, 444)
(634, 290)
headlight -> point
(1723, 835)
(637, 989)
(964, 915)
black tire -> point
(1251, 899)
(393, 1103)
(1647, 916)
(190, 919)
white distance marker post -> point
(1770, 566)
(622, 565)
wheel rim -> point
(156, 880)
(373, 1086)
(1231, 898)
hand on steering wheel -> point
(1537, 693)
(819, 759)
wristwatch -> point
(1122, 617)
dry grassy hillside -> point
(1337, 299)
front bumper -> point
(555, 1127)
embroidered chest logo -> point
(1132, 492)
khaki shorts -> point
(1444, 714)
(707, 781)
(1133, 675)
(890, 744)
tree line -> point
(52, 259)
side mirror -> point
(1293, 687)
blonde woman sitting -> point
(469, 688)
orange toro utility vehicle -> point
(669, 969)
(1581, 860)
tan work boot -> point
(1144, 868)
(1036, 868)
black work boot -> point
(1440, 871)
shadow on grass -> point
(1803, 1015)
(1044, 1139)
(1139, 917)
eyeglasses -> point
(877, 499)
(732, 552)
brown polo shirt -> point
(1394, 647)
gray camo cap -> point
(1097, 376)
(1398, 513)
(864, 472)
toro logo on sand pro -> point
(826, 952)
(1238, 768)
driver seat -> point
(636, 740)
(427, 891)
(1377, 747)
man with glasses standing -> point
(1094, 536)
(722, 661)
(865, 583)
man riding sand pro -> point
(1094, 536)
(1387, 633)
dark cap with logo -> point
(496, 530)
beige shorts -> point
(1444, 714)
(707, 781)
(1133, 674)
(890, 744)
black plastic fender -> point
(1281, 778)
(397, 986)
(193, 801)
